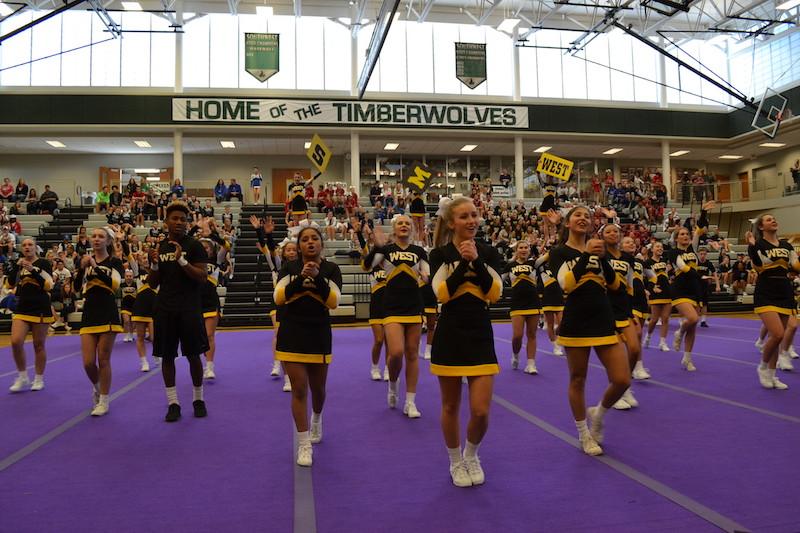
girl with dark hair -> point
(641, 312)
(525, 305)
(660, 300)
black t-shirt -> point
(207, 211)
(115, 198)
(177, 291)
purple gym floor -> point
(705, 451)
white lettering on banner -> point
(344, 112)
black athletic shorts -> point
(172, 328)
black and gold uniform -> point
(588, 317)
(209, 297)
(33, 291)
(429, 304)
(549, 188)
(305, 332)
(641, 309)
(705, 269)
(657, 275)
(128, 291)
(524, 293)
(377, 282)
(297, 199)
(552, 295)
(774, 292)
(405, 269)
(99, 286)
(276, 314)
(464, 340)
(685, 286)
(145, 304)
(417, 206)
(621, 298)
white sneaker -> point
(95, 397)
(20, 384)
(676, 341)
(778, 384)
(391, 399)
(662, 345)
(640, 372)
(759, 344)
(316, 432)
(630, 399)
(156, 361)
(276, 369)
(785, 362)
(590, 446)
(595, 427)
(647, 340)
(765, 378)
(100, 409)
(792, 353)
(375, 374)
(287, 385)
(410, 410)
(514, 361)
(144, 366)
(209, 374)
(305, 455)
(427, 355)
(474, 470)
(530, 368)
(460, 475)
(621, 405)
(558, 350)
(38, 384)
(385, 374)
(686, 362)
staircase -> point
(67, 222)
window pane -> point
(337, 56)
(287, 77)
(444, 59)
(162, 55)
(528, 83)
(393, 60)
(549, 63)
(46, 42)
(622, 66)
(76, 31)
(500, 63)
(469, 33)
(364, 37)
(195, 53)
(105, 55)
(646, 66)
(598, 78)
(224, 47)
(136, 50)
(574, 70)
(310, 54)
(16, 50)
(419, 43)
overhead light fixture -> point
(612, 151)
(131, 6)
(542, 149)
(391, 146)
(227, 144)
(153, 178)
(730, 156)
(508, 25)
(789, 4)
(142, 144)
(147, 171)
(773, 145)
(5, 10)
(264, 11)
(468, 147)
(679, 153)
(307, 145)
(56, 144)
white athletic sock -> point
(38, 377)
(316, 418)
(471, 450)
(410, 396)
(104, 399)
(23, 374)
(639, 365)
(702, 318)
(454, 454)
(687, 355)
(762, 365)
(583, 429)
(601, 411)
(197, 393)
(516, 355)
(393, 386)
(375, 367)
(303, 438)
(662, 339)
(96, 387)
(210, 365)
(172, 395)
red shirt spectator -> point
(310, 193)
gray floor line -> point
(53, 360)
(305, 514)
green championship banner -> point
(471, 63)
(262, 55)
(277, 111)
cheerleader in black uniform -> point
(466, 281)
(584, 273)
(308, 287)
(525, 305)
(32, 278)
(128, 288)
(622, 301)
(660, 296)
(99, 277)
(405, 265)
(417, 210)
(685, 287)
(143, 311)
(708, 274)
(210, 305)
(774, 301)
(549, 186)
(552, 300)
(297, 204)
(641, 312)
(430, 308)
(377, 288)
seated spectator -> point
(220, 191)
(505, 178)
(115, 198)
(379, 213)
(21, 192)
(132, 186)
(207, 211)
(177, 188)
(329, 226)
(161, 206)
(8, 241)
(82, 243)
(375, 192)
(102, 200)
(14, 226)
(149, 208)
(7, 190)
(49, 201)
(227, 215)
(235, 191)
(17, 209)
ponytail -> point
(443, 234)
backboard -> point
(770, 113)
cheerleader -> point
(210, 305)
(417, 210)
(377, 288)
(525, 305)
(584, 273)
(32, 278)
(143, 311)
(622, 301)
(552, 300)
(708, 275)
(308, 288)
(405, 264)
(660, 297)
(99, 277)
(773, 259)
(466, 281)
(639, 303)
(128, 288)
(685, 287)
(297, 203)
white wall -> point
(783, 161)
